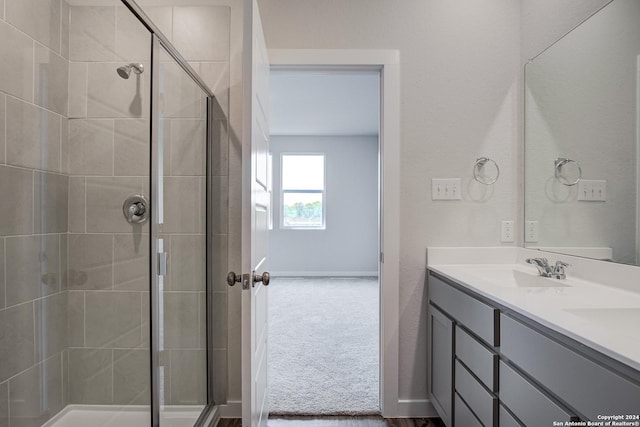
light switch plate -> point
(592, 190)
(446, 189)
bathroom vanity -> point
(510, 348)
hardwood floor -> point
(341, 422)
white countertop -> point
(604, 317)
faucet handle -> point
(558, 271)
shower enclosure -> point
(105, 220)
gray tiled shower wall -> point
(73, 144)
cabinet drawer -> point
(584, 385)
(481, 402)
(463, 416)
(506, 420)
(478, 358)
(475, 315)
(528, 403)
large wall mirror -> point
(582, 139)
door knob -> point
(233, 278)
(264, 278)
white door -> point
(255, 219)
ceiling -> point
(324, 103)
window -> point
(302, 202)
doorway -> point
(324, 242)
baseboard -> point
(231, 409)
(324, 274)
(213, 418)
(418, 408)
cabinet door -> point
(441, 363)
(589, 387)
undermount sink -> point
(508, 277)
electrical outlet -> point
(446, 189)
(507, 232)
(531, 234)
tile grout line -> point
(60, 35)
(4, 271)
(84, 205)
(35, 347)
(33, 201)
(113, 262)
(9, 402)
(84, 318)
(112, 375)
(4, 106)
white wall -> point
(459, 78)
(349, 243)
(545, 21)
(461, 64)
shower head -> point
(125, 70)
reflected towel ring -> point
(559, 163)
(480, 163)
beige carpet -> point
(323, 346)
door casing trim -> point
(387, 62)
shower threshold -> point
(123, 416)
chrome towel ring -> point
(559, 163)
(479, 166)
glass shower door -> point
(179, 190)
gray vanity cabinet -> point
(462, 365)
(493, 367)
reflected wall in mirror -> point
(582, 105)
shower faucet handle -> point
(136, 209)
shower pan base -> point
(123, 416)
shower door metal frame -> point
(158, 40)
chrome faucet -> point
(542, 264)
(545, 270)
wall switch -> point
(446, 189)
(592, 190)
(507, 232)
(531, 231)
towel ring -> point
(559, 163)
(480, 163)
